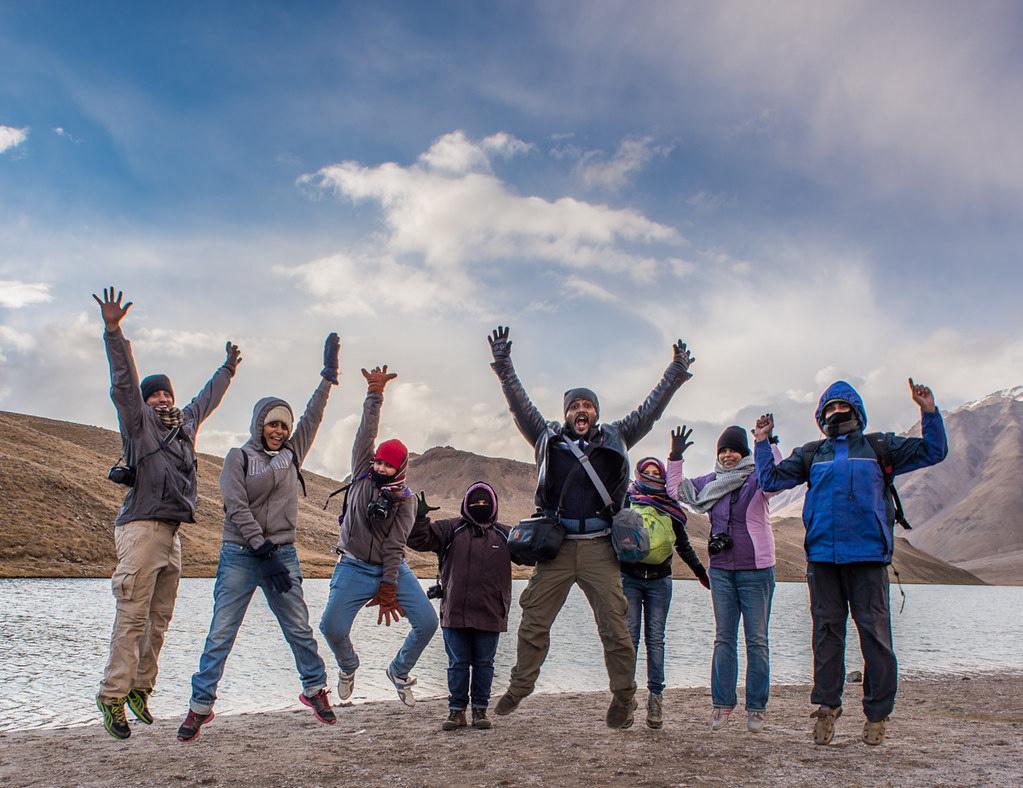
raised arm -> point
(527, 418)
(362, 449)
(637, 424)
(775, 476)
(430, 536)
(236, 499)
(908, 454)
(124, 377)
(301, 439)
(207, 400)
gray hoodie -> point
(372, 541)
(264, 504)
(165, 485)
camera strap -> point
(584, 460)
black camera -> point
(379, 508)
(122, 474)
(436, 591)
(718, 543)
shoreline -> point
(946, 729)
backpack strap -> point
(806, 454)
(584, 459)
(879, 444)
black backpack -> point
(879, 444)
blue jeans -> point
(648, 602)
(745, 593)
(470, 647)
(239, 574)
(352, 585)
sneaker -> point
(755, 721)
(719, 717)
(138, 702)
(455, 720)
(189, 729)
(873, 732)
(620, 713)
(506, 705)
(320, 704)
(654, 710)
(113, 717)
(403, 686)
(480, 719)
(345, 685)
(824, 727)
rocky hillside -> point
(59, 508)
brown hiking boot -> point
(455, 720)
(479, 719)
(621, 713)
(655, 710)
(873, 732)
(824, 727)
(506, 705)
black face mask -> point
(380, 479)
(840, 423)
(482, 512)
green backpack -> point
(662, 534)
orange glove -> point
(387, 597)
(378, 378)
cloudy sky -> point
(801, 191)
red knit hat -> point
(393, 452)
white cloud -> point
(632, 156)
(577, 286)
(15, 294)
(60, 131)
(174, 343)
(506, 146)
(11, 137)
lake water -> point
(54, 636)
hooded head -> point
(154, 383)
(267, 411)
(840, 391)
(580, 418)
(479, 504)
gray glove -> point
(331, 351)
(500, 346)
(681, 355)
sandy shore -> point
(945, 731)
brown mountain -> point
(968, 510)
(59, 508)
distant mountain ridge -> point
(59, 508)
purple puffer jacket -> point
(748, 520)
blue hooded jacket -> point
(848, 515)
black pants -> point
(835, 590)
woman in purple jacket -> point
(741, 548)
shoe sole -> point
(198, 730)
(824, 729)
(140, 714)
(654, 725)
(108, 721)
(325, 720)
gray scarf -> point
(725, 481)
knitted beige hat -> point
(278, 413)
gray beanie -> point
(582, 393)
(280, 413)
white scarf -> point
(725, 481)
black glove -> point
(681, 355)
(234, 357)
(274, 571)
(331, 350)
(423, 509)
(679, 442)
(500, 345)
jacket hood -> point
(259, 412)
(493, 497)
(841, 390)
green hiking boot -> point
(138, 702)
(621, 713)
(113, 717)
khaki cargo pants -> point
(592, 564)
(145, 585)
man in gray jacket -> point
(565, 492)
(158, 442)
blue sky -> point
(802, 193)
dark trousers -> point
(862, 589)
(470, 648)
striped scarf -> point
(648, 490)
(395, 485)
(170, 417)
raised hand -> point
(682, 355)
(922, 396)
(234, 357)
(331, 355)
(423, 509)
(764, 427)
(500, 345)
(378, 378)
(110, 308)
(679, 442)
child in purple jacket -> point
(741, 548)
